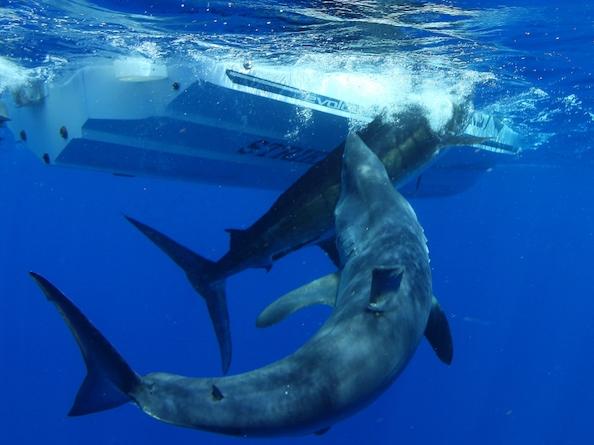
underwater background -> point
(511, 257)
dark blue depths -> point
(512, 267)
(511, 261)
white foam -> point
(439, 107)
(376, 84)
(12, 76)
(149, 50)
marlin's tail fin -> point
(109, 381)
(200, 272)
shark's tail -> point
(200, 272)
(109, 381)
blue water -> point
(511, 257)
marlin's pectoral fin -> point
(329, 247)
(321, 291)
(385, 282)
(438, 333)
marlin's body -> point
(382, 307)
(304, 213)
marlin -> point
(304, 214)
(382, 303)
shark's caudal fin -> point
(199, 271)
(109, 379)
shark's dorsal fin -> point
(438, 333)
(385, 281)
(321, 291)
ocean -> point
(510, 255)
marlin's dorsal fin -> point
(481, 143)
(438, 333)
(465, 140)
(385, 281)
(321, 291)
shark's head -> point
(368, 201)
(364, 186)
(380, 242)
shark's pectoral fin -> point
(385, 282)
(438, 333)
(321, 291)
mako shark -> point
(303, 214)
(382, 308)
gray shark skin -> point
(304, 213)
(381, 310)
